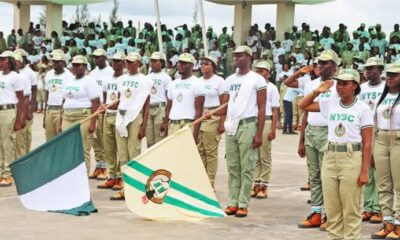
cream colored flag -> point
(168, 182)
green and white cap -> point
(329, 55)
(133, 57)
(99, 52)
(244, 49)
(21, 52)
(348, 75)
(157, 56)
(374, 61)
(7, 54)
(57, 55)
(79, 59)
(264, 65)
(209, 58)
(393, 68)
(118, 56)
(186, 57)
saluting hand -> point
(324, 86)
(306, 69)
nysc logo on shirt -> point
(341, 117)
(2, 85)
(157, 81)
(234, 87)
(132, 84)
(370, 96)
(325, 94)
(157, 186)
(340, 130)
(183, 86)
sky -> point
(177, 12)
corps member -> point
(263, 165)
(132, 115)
(99, 74)
(348, 153)
(211, 129)
(12, 108)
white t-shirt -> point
(79, 93)
(371, 94)
(345, 122)
(315, 118)
(287, 45)
(250, 40)
(54, 84)
(32, 76)
(383, 113)
(9, 84)
(232, 86)
(110, 87)
(213, 87)
(98, 75)
(302, 81)
(158, 92)
(129, 87)
(272, 98)
(27, 84)
(182, 93)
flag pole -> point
(157, 9)
(203, 27)
(210, 113)
(98, 111)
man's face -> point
(326, 68)
(132, 66)
(58, 65)
(372, 72)
(156, 65)
(3, 63)
(99, 60)
(241, 60)
(184, 67)
(118, 65)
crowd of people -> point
(339, 92)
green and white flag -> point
(168, 182)
(53, 176)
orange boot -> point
(384, 231)
(313, 221)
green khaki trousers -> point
(264, 161)
(110, 144)
(7, 141)
(96, 141)
(209, 138)
(129, 147)
(371, 199)
(343, 198)
(23, 140)
(174, 126)
(315, 140)
(153, 133)
(241, 160)
(387, 163)
(51, 122)
(74, 116)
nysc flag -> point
(53, 176)
(168, 182)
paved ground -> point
(272, 218)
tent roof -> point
(62, 2)
(232, 2)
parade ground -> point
(273, 218)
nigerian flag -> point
(168, 182)
(53, 176)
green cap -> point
(186, 57)
(118, 56)
(79, 59)
(100, 52)
(18, 57)
(374, 61)
(133, 57)
(329, 55)
(244, 49)
(393, 68)
(348, 75)
(264, 65)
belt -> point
(318, 127)
(75, 109)
(54, 107)
(268, 117)
(343, 147)
(157, 105)
(247, 120)
(210, 108)
(7, 106)
(111, 114)
(182, 121)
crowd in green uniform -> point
(263, 80)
